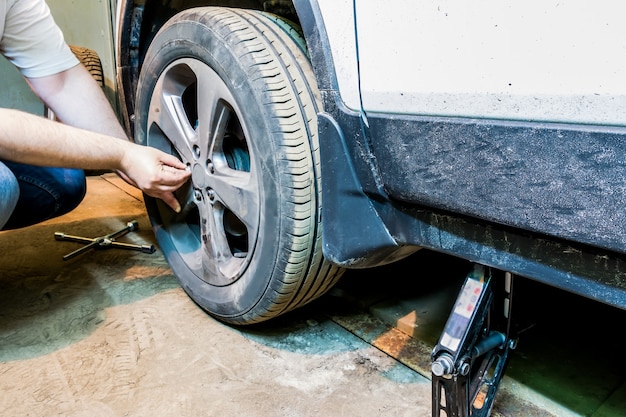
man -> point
(41, 161)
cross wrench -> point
(104, 242)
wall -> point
(87, 23)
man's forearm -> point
(34, 140)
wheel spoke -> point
(167, 111)
(237, 191)
(218, 263)
(211, 94)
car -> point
(325, 135)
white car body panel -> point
(338, 17)
(533, 61)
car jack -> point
(469, 360)
(104, 242)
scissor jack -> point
(104, 242)
(469, 360)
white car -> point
(332, 134)
(494, 132)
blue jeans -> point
(42, 193)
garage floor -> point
(110, 333)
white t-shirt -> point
(31, 40)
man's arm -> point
(34, 140)
(77, 100)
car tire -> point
(91, 61)
(231, 94)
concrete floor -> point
(110, 333)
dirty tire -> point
(90, 60)
(231, 94)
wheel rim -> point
(194, 116)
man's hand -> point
(155, 173)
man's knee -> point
(45, 193)
(74, 188)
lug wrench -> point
(104, 242)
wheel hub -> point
(198, 176)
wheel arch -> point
(138, 21)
